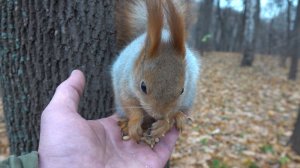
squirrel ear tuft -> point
(155, 25)
(177, 27)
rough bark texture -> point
(295, 139)
(249, 32)
(296, 48)
(41, 42)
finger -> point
(67, 94)
(165, 147)
(114, 117)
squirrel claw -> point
(180, 120)
(159, 128)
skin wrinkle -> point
(130, 154)
(107, 153)
(93, 129)
(120, 154)
(164, 144)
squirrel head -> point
(160, 68)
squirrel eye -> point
(182, 91)
(144, 87)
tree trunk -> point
(270, 37)
(249, 32)
(295, 139)
(257, 25)
(241, 30)
(41, 42)
(220, 28)
(296, 48)
(283, 58)
(203, 29)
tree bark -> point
(283, 58)
(41, 42)
(296, 48)
(203, 28)
(295, 139)
(249, 32)
(257, 24)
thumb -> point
(68, 93)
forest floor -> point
(243, 117)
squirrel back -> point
(132, 19)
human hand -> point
(68, 140)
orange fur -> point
(139, 62)
(164, 76)
(123, 19)
(135, 118)
(155, 25)
(180, 120)
(161, 127)
(160, 65)
(123, 124)
(177, 27)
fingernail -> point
(72, 73)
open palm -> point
(68, 140)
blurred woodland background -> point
(248, 98)
(266, 27)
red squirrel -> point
(155, 75)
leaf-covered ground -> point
(243, 117)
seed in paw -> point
(156, 140)
(125, 138)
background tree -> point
(218, 27)
(251, 21)
(295, 139)
(227, 25)
(203, 29)
(288, 35)
(41, 42)
(296, 48)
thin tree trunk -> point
(287, 53)
(241, 31)
(249, 32)
(295, 139)
(203, 29)
(296, 48)
(41, 42)
(220, 33)
(257, 24)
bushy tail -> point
(132, 17)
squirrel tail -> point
(135, 17)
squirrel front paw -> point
(123, 124)
(181, 119)
(130, 130)
(135, 130)
(160, 128)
